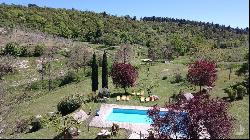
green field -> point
(42, 102)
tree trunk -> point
(230, 71)
(148, 72)
(124, 56)
(84, 69)
(125, 90)
(49, 68)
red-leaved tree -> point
(202, 73)
(202, 115)
(124, 75)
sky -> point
(227, 12)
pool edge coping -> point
(106, 109)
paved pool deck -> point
(106, 109)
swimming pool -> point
(129, 115)
(141, 117)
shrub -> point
(24, 51)
(69, 104)
(57, 82)
(65, 53)
(104, 92)
(39, 50)
(88, 73)
(231, 93)
(241, 91)
(44, 84)
(164, 77)
(12, 49)
(137, 67)
(5, 69)
(6, 65)
(111, 48)
(28, 125)
(22, 126)
(177, 78)
(35, 125)
(70, 77)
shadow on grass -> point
(227, 99)
(114, 95)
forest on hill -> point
(164, 37)
(56, 64)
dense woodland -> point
(183, 36)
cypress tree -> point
(94, 76)
(104, 71)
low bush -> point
(177, 78)
(35, 125)
(70, 77)
(39, 50)
(13, 49)
(57, 82)
(237, 90)
(5, 69)
(28, 125)
(6, 66)
(44, 84)
(231, 93)
(22, 126)
(64, 53)
(104, 92)
(164, 77)
(88, 73)
(23, 51)
(111, 48)
(241, 91)
(69, 104)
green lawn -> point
(47, 101)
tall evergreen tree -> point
(104, 71)
(94, 76)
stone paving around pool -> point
(106, 109)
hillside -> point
(47, 60)
(113, 30)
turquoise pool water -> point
(140, 116)
(129, 115)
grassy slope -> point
(47, 101)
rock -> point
(207, 88)
(188, 96)
(22, 64)
(73, 131)
(51, 113)
(1, 130)
(146, 60)
(165, 70)
(167, 62)
(61, 73)
(156, 97)
(34, 79)
(38, 116)
(80, 116)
